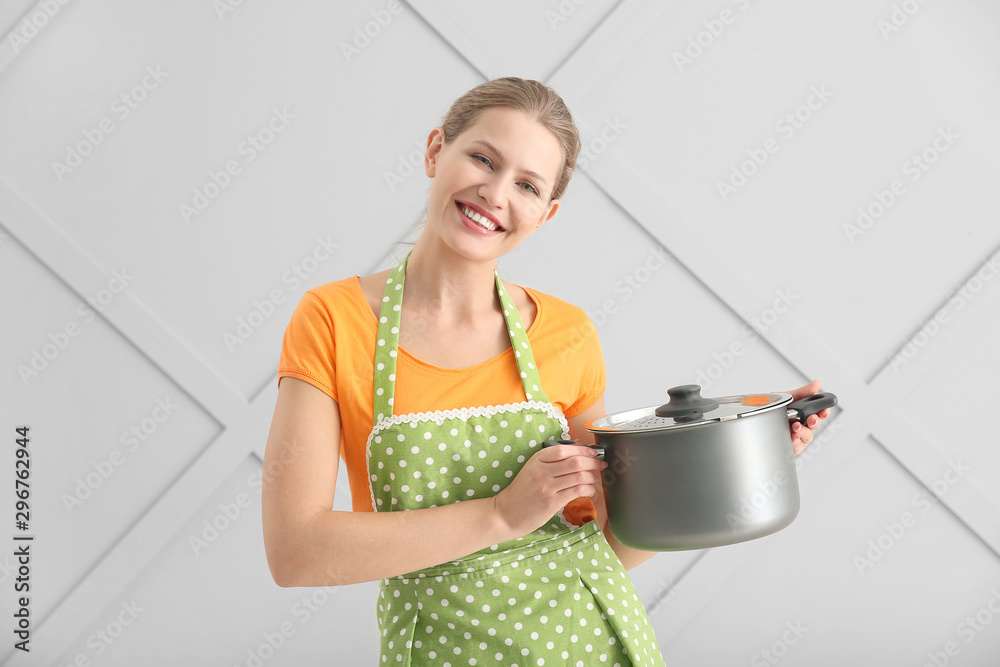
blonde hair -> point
(531, 97)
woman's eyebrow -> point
(496, 150)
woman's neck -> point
(441, 282)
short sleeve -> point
(584, 355)
(308, 348)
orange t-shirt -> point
(330, 343)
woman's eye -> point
(530, 188)
(481, 158)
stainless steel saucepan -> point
(701, 472)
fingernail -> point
(604, 464)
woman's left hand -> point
(802, 434)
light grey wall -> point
(122, 312)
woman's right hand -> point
(549, 480)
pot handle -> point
(553, 443)
(803, 408)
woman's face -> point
(492, 183)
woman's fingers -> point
(549, 480)
(555, 453)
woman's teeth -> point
(481, 220)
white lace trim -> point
(464, 414)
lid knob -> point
(686, 401)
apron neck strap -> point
(387, 344)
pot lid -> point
(687, 407)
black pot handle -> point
(553, 443)
(803, 408)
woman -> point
(489, 548)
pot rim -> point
(624, 417)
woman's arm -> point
(309, 544)
(628, 556)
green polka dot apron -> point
(557, 596)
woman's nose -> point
(494, 192)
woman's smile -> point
(478, 220)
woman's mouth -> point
(478, 220)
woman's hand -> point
(802, 434)
(551, 478)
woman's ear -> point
(435, 141)
(553, 207)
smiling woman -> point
(489, 548)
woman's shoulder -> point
(553, 310)
(373, 287)
(565, 332)
(342, 295)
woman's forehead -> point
(515, 135)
